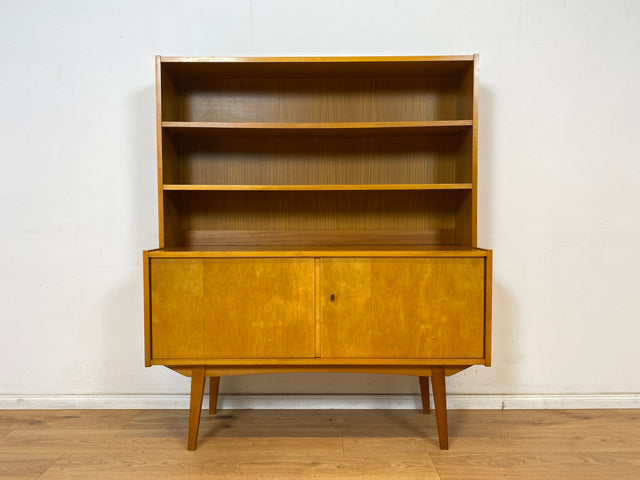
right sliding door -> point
(402, 308)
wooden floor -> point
(319, 444)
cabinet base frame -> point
(199, 374)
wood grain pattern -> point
(249, 308)
(396, 308)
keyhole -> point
(332, 297)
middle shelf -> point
(433, 127)
(364, 187)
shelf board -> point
(432, 126)
(323, 250)
(280, 188)
(234, 67)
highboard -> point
(317, 215)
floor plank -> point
(24, 466)
(543, 430)
(527, 465)
(65, 419)
(294, 464)
(96, 441)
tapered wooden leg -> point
(195, 408)
(440, 401)
(214, 384)
(424, 392)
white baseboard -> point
(454, 401)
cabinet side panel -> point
(159, 147)
(232, 308)
(474, 192)
(464, 218)
(173, 219)
(465, 93)
(147, 308)
(488, 306)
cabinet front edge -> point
(416, 58)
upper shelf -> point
(304, 66)
(432, 127)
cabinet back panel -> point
(302, 160)
(317, 99)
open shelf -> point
(292, 92)
(298, 158)
(378, 217)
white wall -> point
(559, 174)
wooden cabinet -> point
(317, 214)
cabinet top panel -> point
(320, 251)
